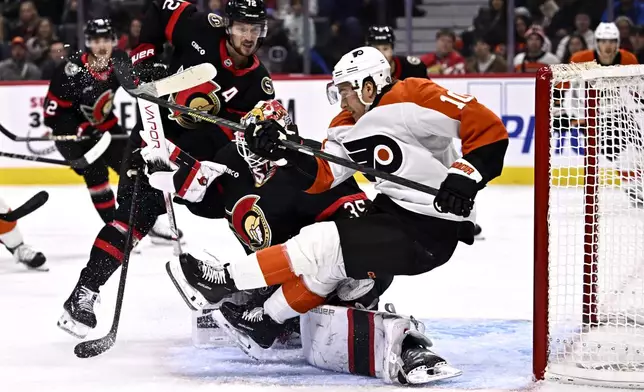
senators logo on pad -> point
(202, 97)
(249, 223)
(378, 151)
(101, 109)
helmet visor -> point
(251, 31)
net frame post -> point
(541, 209)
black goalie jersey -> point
(199, 37)
(408, 67)
(79, 97)
(276, 211)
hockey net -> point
(589, 225)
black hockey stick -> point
(27, 208)
(53, 138)
(92, 348)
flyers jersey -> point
(79, 97)
(408, 132)
(276, 211)
(200, 37)
(623, 57)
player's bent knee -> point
(315, 247)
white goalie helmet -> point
(356, 66)
(607, 31)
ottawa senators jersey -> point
(276, 211)
(623, 57)
(199, 37)
(408, 132)
(79, 97)
(408, 67)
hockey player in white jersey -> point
(12, 239)
(404, 128)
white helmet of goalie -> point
(607, 31)
(356, 66)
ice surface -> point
(477, 309)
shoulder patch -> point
(71, 69)
(267, 85)
(215, 20)
(413, 60)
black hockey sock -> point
(103, 199)
(106, 255)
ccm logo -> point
(154, 135)
(141, 55)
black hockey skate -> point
(200, 282)
(32, 259)
(79, 316)
(420, 365)
(248, 326)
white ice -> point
(477, 308)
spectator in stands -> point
(625, 26)
(491, 21)
(129, 41)
(4, 48)
(535, 56)
(57, 54)
(27, 20)
(294, 23)
(18, 67)
(582, 27)
(217, 7)
(70, 12)
(637, 40)
(483, 60)
(633, 9)
(575, 43)
(521, 24)
(345, 23)
(445, 60)
(285, 7)
(38, 45)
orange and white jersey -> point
(409, 132)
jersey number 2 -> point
(456, 99)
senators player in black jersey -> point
(80, 101)
(383, 39)
(230, 44)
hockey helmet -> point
(252, 12)
(381, 35)
(357, 66)
(97, 28)
(607, 31)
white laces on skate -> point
(212, 273)
(86, 299)
(254, 315)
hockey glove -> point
(264, 139)
(86, 129)
(457, 192)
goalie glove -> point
(456, 194)
(264, 139)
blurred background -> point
(309, 36)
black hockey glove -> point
(264, 139)
(85, 129)
(457, 192)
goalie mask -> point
(262, 168)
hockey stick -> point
(53, 138)
(27, 208)
(92, 348)
(294, 146)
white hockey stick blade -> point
(94, 153)
(188, 78)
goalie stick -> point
(27, 208)
(92, 348)
(81, 163)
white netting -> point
(596, 224)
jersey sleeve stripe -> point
(61, 102)
(330, 210)
(480, 127)
(174, 18)
(275, 265)
(323, 179)
(299, 297)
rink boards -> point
(512, 98)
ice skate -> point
(200, 282)
(161, 234)
(79, 316)
(420, 365)
(248, 326)
(32, 259)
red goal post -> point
(589, 225)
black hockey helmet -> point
(251, 12)
(381, 35)
(96, 28)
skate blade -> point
(72, 327)
(243, 341)
(192, 297)
(160, 241)
(421, 374)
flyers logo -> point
(378, 151)
(249, 223)
(97, 113)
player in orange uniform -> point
(11, 237)
(608, 51)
